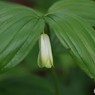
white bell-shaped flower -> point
(45, 58)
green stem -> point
(55, 77)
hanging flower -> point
(45, 58)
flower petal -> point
(45, 58)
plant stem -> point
(55, 77)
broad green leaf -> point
(20, 28)
(34, 55)
(26, 85)
(77, 36)
(84, 9)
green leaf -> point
(82, 8)
(20, 28)
(77, 36)
(26, 85)
(34, 55)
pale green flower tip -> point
(42, 64)
(49, 65)
(45, 58)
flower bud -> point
(45, 58)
